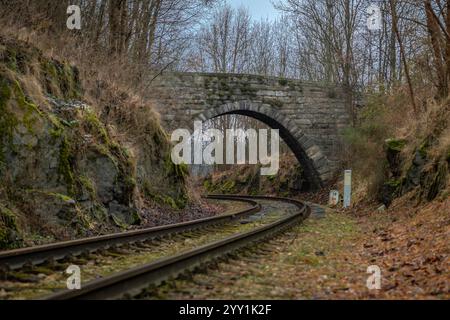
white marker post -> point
(347, 188)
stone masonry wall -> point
(317, 110)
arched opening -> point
(298, 143)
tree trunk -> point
(116, 32)
(403, 54)
(435, 37)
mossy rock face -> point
(123, 216)
(395, 144)
(394, 148)
(247, 179)
(97, 175)
(177, 201)
(104, 175)
(426, 174)
(65, 169)
(51, 207)
(9, 231)
(413, 174)
(25, 146)
(57, 159)
(174, 194)
(59, 165)
(433, 181)
(228, 187)
(399, 182)
(61, 79)
(208, 185)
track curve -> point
(132, 282)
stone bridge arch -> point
(309, 115)
(308, 153)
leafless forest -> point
(313, 40)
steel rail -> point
(132, 282)
(16, 259)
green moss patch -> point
(64, 149)
(61, 79)
(8, 229)
(283, 82)
(395, 145)
(96, 127)
(273, 103)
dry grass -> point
(111, 87)
(98, 69)
(391, 116)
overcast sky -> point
(259, 9)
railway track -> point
(132, 281)
(16, 259)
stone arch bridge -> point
(310, 116)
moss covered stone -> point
(61, 79)
(228, 187)
(8, 229)
(394, 183)
(87, 184)
(179, 172)
(248, 90)
(395, 144)
(63, 197)
(275, 103)
(96, 127)
(31, 111)
(434, 180)
(79, 174)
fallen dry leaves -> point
(328, 259)
(413, 249)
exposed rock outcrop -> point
(62, 172)
(425, 170)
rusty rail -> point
(15, 259)
(132, 282)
